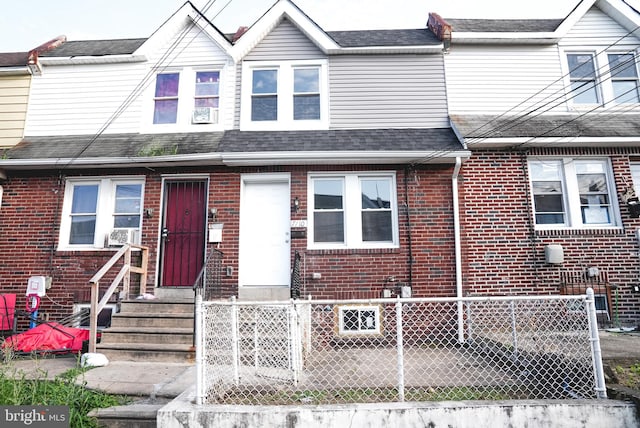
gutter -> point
(457, 247)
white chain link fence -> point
(322, 352)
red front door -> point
(183, 232)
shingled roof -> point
(548, 125)
(96, 48)
(14, 59)
(122, 146)
(504, 25)
(350, 39)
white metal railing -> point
(122, 279)
(338, 351)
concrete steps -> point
(151, 330)
(131, 416)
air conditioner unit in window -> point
(205, 115)
(121, 236)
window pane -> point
(367, 320)
(128, 198)
(350, 320)
(306, 80)
(377, 226)
(623, 65)
(592, 183)
(584, 92)
(375, 194)
(85, 199)
(548, 198)
(306, 107)
(581, 66)
(166, 111)
(549, 218)
(207, 102)
(207, 83)
(265, 81)
(548, 203)
(82, 229)
(328, 226)
(327, 194)
(264, 108)
(132, 221)
(167, 85)
(626, 91)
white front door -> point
(265, 241)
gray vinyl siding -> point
(285, 42)
(387, 91)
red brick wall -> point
(504, 255)
(30, 215)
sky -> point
(25, 24)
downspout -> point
(408, 215)
(457, 247)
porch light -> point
(296, 205)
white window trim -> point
(378, 320)
(104, 210)
(573, 215)
(352, 210)
(604, 85)
(285, 94)
(186, 97)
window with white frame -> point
(360, 320)
(605, 77)
(575, 193)
(284, 95)
(93, 207)
(354, 210)
(635, 175)
(187, 96)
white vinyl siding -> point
(393, 91)
(596, 28)
(73, 100)
(496, 79)
(14, 96)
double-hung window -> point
(186, 97)
(94, 207)
(603, 78)
(624, 77)
(352, 211)
(284, 95)
(166, 98)
(572, 193)
(582, 73)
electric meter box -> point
(37, 285)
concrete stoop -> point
(183, 412)
(158, 330)
(131, 416)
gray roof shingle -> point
(341, 140)
(145, 145)
(95, 48)
(555, 125)
(504, 25)
(357, 39)
(14, 59)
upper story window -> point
(166, 98)
(352, 211)
(186, 97)
(286, 95)
(605, 78)
(582, 73)
(575, 193)
(92, 208)
(624, 78)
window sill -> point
(386, 250)
(582, 231)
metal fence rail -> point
(321, 352)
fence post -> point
(596, 353)
(514, 327)
(400, 346)
(199, 351)
(235, 342)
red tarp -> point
(7, 311)
(48, 337)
